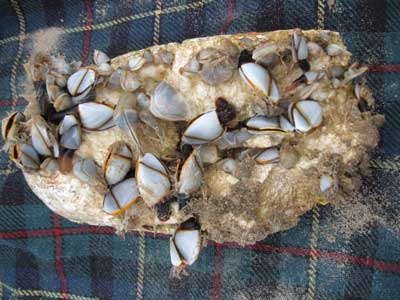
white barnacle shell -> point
(52, 89)
(208, 55)
(114, 81)
(100, 57)
(81, 82)
(96, 116)
(308, 90)
(49, 166)
(266, 53)
(127, 119)
(262, 124)
(85, 169)
(136, 61)
(148, 56)
(70, 132)
(285, 124)
(121, 196)
(81, 98)
(229, 165)
(62, 102)
(354, 71)
(42, 139)
(217, 71)
(74, 66)
(59, 65)
(104, 69)
(142, 101)
(299, 46)
(10, 125)
(305, 115)
(208, 153)
(312, 76)
(259, 78)
(269, 155)
(147, 118)
(176, 259)
(129, 81)
(189, 175)
(152, 179)
(25, 155)
(314, 48)
(168, 104)
(59, 79)
(192, 67)
(233, 139)
(203, 129)
(118, 162)
(334, 50)
(185, 246)
(325, 36)
(325, 183)
(166, 57)
(302, 51)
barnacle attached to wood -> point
(117, 163)
(11, 127)
(226, 138)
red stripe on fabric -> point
(110, 230)
(52, 232)
(89, 229)
(229, 16)
(75, 230)
(322, 254)
(26, 234)
(58, 232)
(384, 68)
(9, 102)
(217, 270)
(87, 34)
(361, 261)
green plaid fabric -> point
(43, 256)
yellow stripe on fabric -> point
(42, 293)
(321, 14)
(9, 39)
(140, 268)
(121, 20)
(6, 172)
(386, 165)
(22, 32)
(313, 242)
(156, 31)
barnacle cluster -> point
(228, 137)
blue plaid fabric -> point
(43, 256)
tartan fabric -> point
(43, 256)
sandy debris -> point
(46, 40)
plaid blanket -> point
(43, 256)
